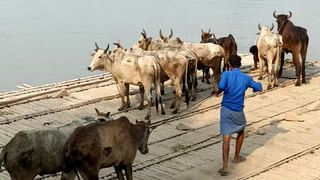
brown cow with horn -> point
(228, 43)
(295, 41)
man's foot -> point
(222, 172)
(239, 159)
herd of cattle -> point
(87, 145)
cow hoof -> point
(208, 82)
(163, 113)
(304, 81)
(147, 117)
(172, 106)
(260, 78)
(269, 87)
(202, 80)
(175, 111)
(121, 108)
(140, 107)
(276, 85)
(194, 99)
(297, 84)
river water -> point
(47, 41)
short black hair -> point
(253, 49)
(235, 61)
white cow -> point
(269, 48)
(128, 69)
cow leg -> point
(303, 62)
(281, 64)
(142, 97)
(203, 74)
(207, 71)
(193, 87)
(275, 70)
(297, 66)
(128, 170)
(119, 173)
(122, 89)
(177, 101)
(225, 66)
(147, 89)
(158, 97)
(269, 62)
(261, 64)
(89, 173)
(24, 176)
(162, 88)
(216, 75)
(127, 94)
(66, 176)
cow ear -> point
(107, 114)
(97, 111)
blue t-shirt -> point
(234, 84)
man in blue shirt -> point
(232, 119)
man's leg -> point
(237, 157)
(225, 151)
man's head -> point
(234, 61)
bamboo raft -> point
(186, 145)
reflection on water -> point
(44, 41)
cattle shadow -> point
(289, 72)
(268, 132)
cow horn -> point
(209, 31)
(214, 36)
(171, 33)
(97, 47)
(259, 27)
(143, 33)
(118, 44)
(106, 50)
(202, 31)
(272, 27)
(290, 14)
(274, 14)
(179, 40)
(161, 36)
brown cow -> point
(39, 152)
(295, 40)
(228, 43)
(105, 144)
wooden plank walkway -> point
(194, 153)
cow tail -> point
(156, 83)
(3, 156)
(305, 42)
(186, 84)
(234, 49)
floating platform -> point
(282, 134)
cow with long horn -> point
(166, 39)
(228, 43)
(295, 41)
(142, 71)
